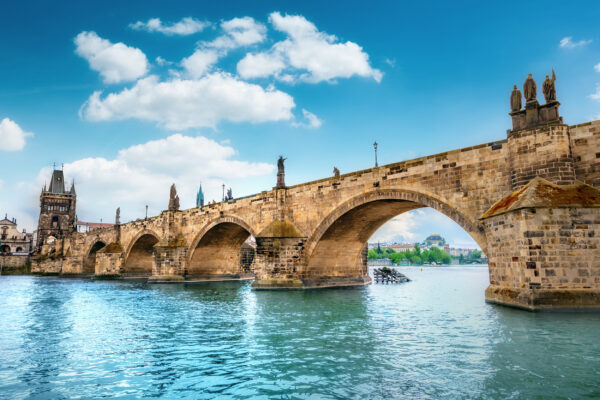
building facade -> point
(57, 210)
(13, 241)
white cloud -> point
(116, 62)
(12, 137)
(187, 26)
(142, 174)
(312, 121)
(596, 96)
(199, 63)
(161, 61)
(568, 43)
(597, 67)
(260, 65)
(182, 104)
(313, 56)
(239, 32)
(399, 229)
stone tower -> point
(57, 209)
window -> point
(50, 208)
(55, 222)
(62, 208)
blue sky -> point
(95, 85)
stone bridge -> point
(530, 201)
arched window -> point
(19, 249)
(55, 222)
(5, 249)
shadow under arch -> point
(139, 257)
(335, 247)
(216, 249)
(89, 263)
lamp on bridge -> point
(375, 146)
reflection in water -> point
(434, 337)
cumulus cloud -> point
(597, 67)
(311, 121)
(200, 62)
(239, 32)
(187, 26)
(12, 137)
(142, 174)
(182, 104)
(260, 65)
(116, 62)
(310, 55)
(568, 43)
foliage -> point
(415, 256)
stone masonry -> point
(542, 255)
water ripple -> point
(433, 337)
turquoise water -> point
(434, 337)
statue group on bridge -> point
(530, 90)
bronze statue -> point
(281, 172)
(229, 194)
(530, 89)
(336, 172)
(173, 199)
(118, 216)
(549, 88)
(516, 100)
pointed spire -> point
(73, 187)
(200, 197)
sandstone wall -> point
(585, 144)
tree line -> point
(415, 256)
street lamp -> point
(146, 211)
(223, 197)
(375, 146)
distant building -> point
(401, 247)
(13, 241)
(434, 240)
(57, 210)
(84, 227)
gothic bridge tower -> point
(57, 209)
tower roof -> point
(57, 183)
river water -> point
(433, 337)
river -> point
(433, 337)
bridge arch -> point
(89, 262)
(335, 246)
(216, 248)
(139, 256)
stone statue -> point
(516, 100)
(281, 172)
(530, 89)
(173, 199)
(229, 194)
(336, 172)
(549, 88)
(118, 216)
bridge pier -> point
(169, 261)
(109, 262)
(544, 247)
(280, 262)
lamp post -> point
(223, 196)
(146, 211)
(375, 147)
